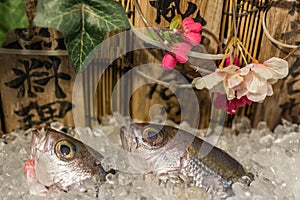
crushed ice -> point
(273, 157)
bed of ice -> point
(273, 157)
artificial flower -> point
(234, 104)
(191, 31)
(260, 77)
(168, 62)
(229, 76)
(232, 60)
(180, 50)
(193, 38)
(251, 83)
(188, 25)
(231, 106)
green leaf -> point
(84, 23)
(176, 22)
(13, 16)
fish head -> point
(156, 147)
(62, 161)
(144, 137)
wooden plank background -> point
(283, 24)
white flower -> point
(258, 78)
(254, 80)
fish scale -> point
(211, 159)
(218, 162)
(197, 170)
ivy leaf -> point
(13, 16)
(84, 23)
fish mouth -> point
(35, 140)
(39, 143)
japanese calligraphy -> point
(169, 8)
(292, 106)
(24, 77)
(31, 79)
(294, 8)
(40, 38)
(295, 74)
(289, 107)
(35, 114)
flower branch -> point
(243, 85)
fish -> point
(60, 161)
(165, 149)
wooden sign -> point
(35, 84)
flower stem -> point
(243, 56)
(242, 47)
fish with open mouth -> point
(61, 161)
(164, 150)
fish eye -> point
(65, 150)
(152, 136)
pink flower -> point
(220, 101)
(168, 62)
(232, 60)
(231, 106)
(193, 38)
(234, 104)
(188, 25)
(180, 50)
(191, 31)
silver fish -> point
(61, 161)
(165, 149)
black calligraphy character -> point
(294, 73)
(59, 93)
(34, 114)
(294, 7)
(168, 12)
(163, 9)
(164, 95)
(24, 77)
(288, 107)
